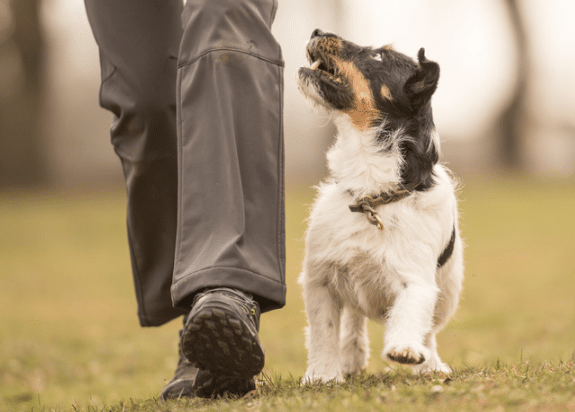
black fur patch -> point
(448, 251)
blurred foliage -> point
(25, 137)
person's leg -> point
(139, 43)
(230, 137)
(231, 196)
(231, 112)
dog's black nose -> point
(317, 33)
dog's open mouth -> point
(323, 68)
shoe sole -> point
(208, 385)
(180, 388)
(219, 342)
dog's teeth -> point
(315, 65)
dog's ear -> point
(421, 86)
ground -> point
(70, 339)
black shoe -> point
(181, 385)
(220, 338)
(208, 385)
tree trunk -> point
(22, 160)
(512, 122)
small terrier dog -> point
(383, 240)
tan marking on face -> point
(386, 93)
(388, 47)
(363, 111)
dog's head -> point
(369, 85)
(379, 89)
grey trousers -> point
(196, 93)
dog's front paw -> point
(408, 354)
(353, 363)
(352, 370)
(312, 378)
(432, 366)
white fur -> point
(352, 270)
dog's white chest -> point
(365, 287)
(350, 255)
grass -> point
(70, 340)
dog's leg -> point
(410, 320)
(433, 363)
(354, 343)
(322, 334)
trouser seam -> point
(136, 276)
(232, 49)
(281, 189)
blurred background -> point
(505, 100)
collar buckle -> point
(367, 205)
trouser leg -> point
(138, 43)
(230, 144)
